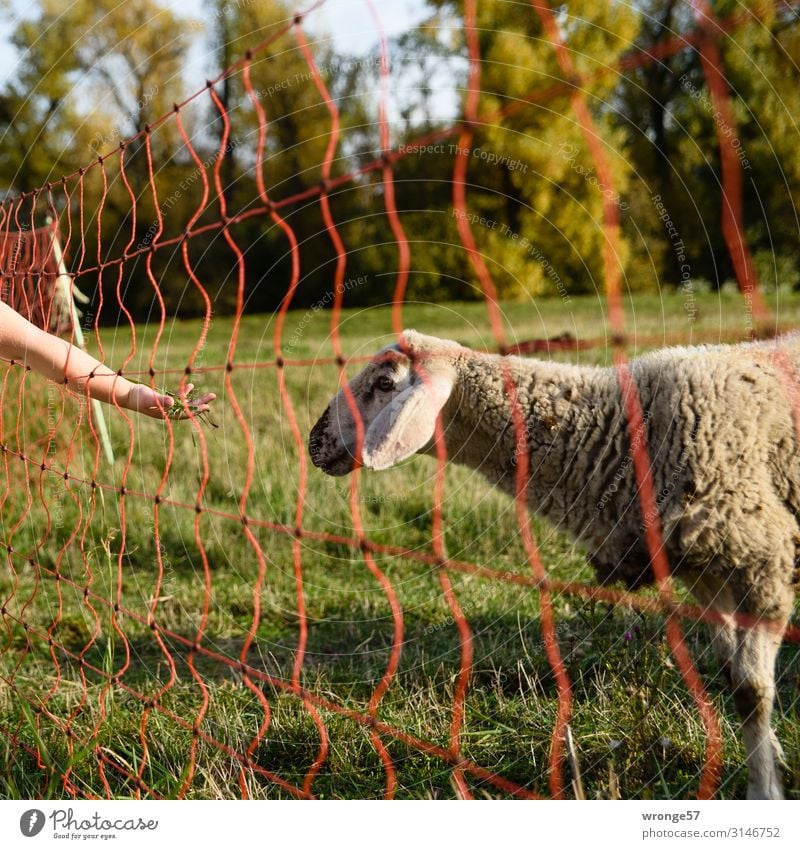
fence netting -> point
(119, 630)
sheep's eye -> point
(385, 384)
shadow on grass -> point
(637, 731)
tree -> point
(298, 133)
(534, 193)
(39, 124)
(89, 75)
(674, 145)
(762, 63)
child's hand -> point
(143, 399)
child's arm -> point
(63, 363)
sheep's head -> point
(397, 398)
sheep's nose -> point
(316, 438)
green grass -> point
(635, 729)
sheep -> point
(725, 460)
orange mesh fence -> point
(30, 271)
(81, 617)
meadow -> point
(637, 733)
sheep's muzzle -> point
(328, 452)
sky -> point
(349, 23)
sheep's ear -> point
(407, 424)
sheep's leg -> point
(725, 643)
(753, 684)
(746, 656)
(723, 639)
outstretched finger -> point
(196, 407)
(162, 405)
(203, 403)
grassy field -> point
(636, 731)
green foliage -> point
(88, 76)
(98, 72)
(674, 148)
